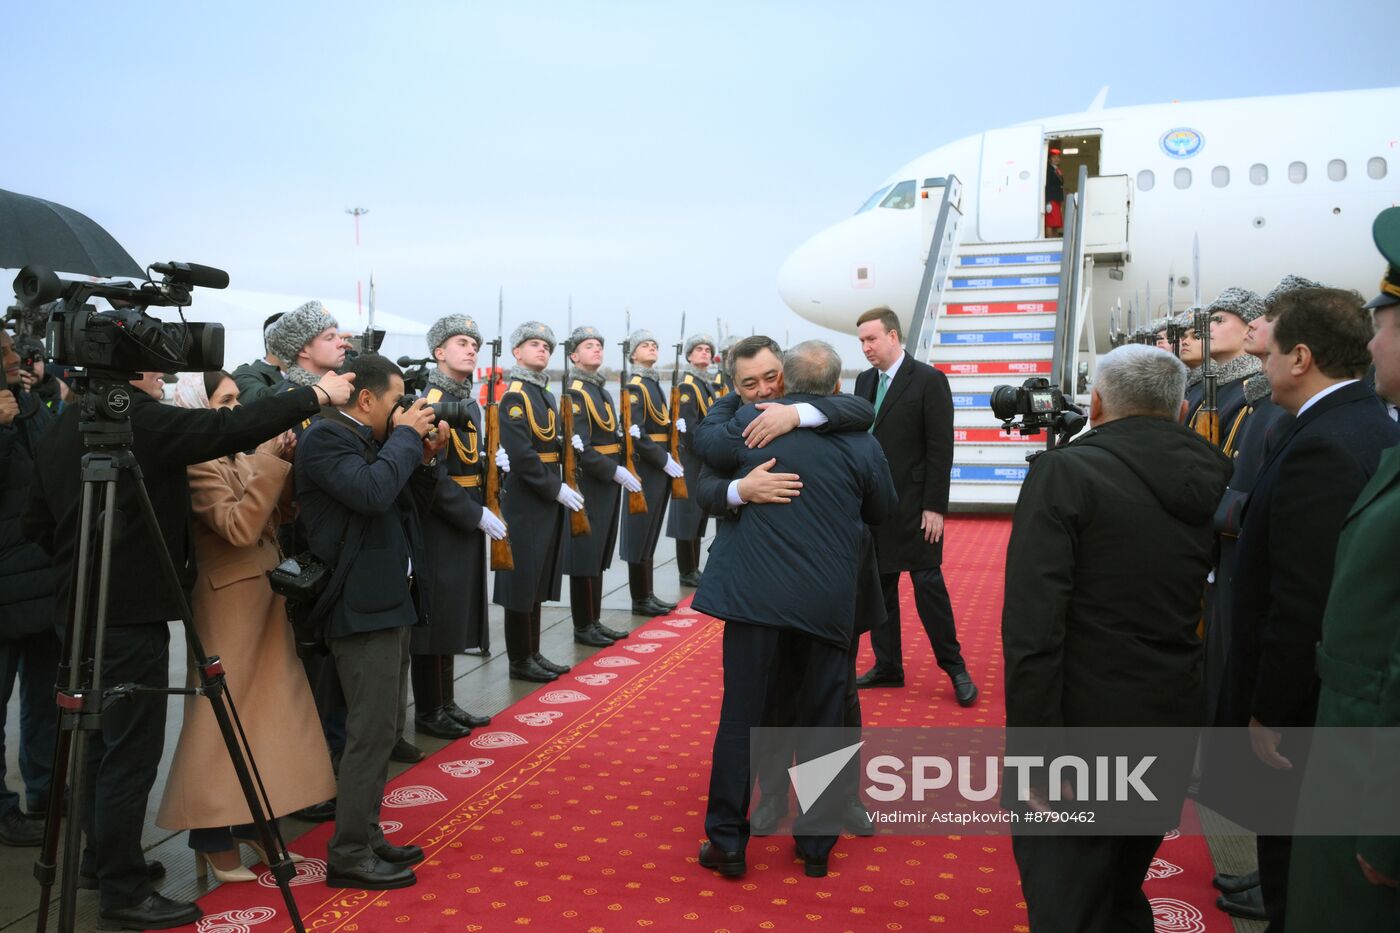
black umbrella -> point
(33, 230)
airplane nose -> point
(847, 269)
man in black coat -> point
(1283, 566)
(1110, 544)
(802, 616)
(258, 378)
(28, 645)
(124, 759)
(914, 425)
(353, 474)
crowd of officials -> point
(1158, 574)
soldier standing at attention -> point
(688, 520)
(534, 501)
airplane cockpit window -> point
(901, 198)
(874, 199)
(1337, 170)
(1220, 176)
(1146, 179)
(1258, 174)
(1182, 178)
(1376, 167)
(1297, 172)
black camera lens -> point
(1006, 402)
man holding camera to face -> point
(363, 472)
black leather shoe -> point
(549, 665)
(20, 830)
(813, 865)
(440, 726)
(399, 855)
(764, 819)
(645, 607)
(156, 912)
(1234, 884)
(322, 812)
(371, 874)
(529, 670)
(612, 633)
(662, 602)
(964, 689)
(470, 720)
(691, 579)
(728, 864)
(875, 677)
(406, 752)
(856, 818)
(154, 871)
(1247, 905)
(591, 637)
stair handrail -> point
(935, 278)
(1068, 322)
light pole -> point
(357, 213)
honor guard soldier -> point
(651, 422)
(697, 392)
(307, 341)
(1191, 354)
(1230, 315)
(534, 500)
(724, 382)
(455, 529)
(601, 479)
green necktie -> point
(880, 393)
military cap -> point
(695, 340)
(585, 332)
(640, 336)
(290, 333)
(449, 327)
(532, 330)
(1156, 327)
(1289, 283)
(1186, 320)
(1386, 232)
(1241, 302)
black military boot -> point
(656, 601)
(581, 609)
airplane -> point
(1266, 186)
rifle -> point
(636, 501)
(502, 558)
(678, 487)
(578, 521)
(1207, 420)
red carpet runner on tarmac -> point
(582, 806)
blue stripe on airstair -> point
(972, 401)
(1008, 259)
(995, 336)
(1005, 281)
(1005, 474)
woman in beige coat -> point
(238, 502)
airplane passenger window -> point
(874, 199)
(901, 198)
(1146, 180)
(1258, 173)
(1337, 170)
(1297, 172)
(1220, 176)
(1375, 167)
(1182, 178)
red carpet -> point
(582, 806)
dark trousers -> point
(754, 658)
(522, 634)
(122, 762)
(773, 763)
(1086, 884)
(369, 667)
(32, 661)
(1274, 853)
(935, 612)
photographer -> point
(125, 756)
(28, 644)
(47, 387)
(359, 471)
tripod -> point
(82, 696)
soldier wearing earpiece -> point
(697, 392)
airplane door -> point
(1011, 200)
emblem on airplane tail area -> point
(1182, 142)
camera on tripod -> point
(1035, 402)
(125, 339)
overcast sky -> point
(657, 156)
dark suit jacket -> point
(915, 427)
(352, 492)
(1286, 549)
(165, 440)
(813, 542)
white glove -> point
(502, 460)
(495, 528)
(578, 443)
(569, 499)
(635, 430)
(680, 425)
(624, 478)
(673, 469)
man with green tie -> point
(914, 425)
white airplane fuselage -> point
(1272, 185)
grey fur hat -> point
(290, 333)
(1240, 302)
(1186, 320)
(695, 340)
(450, 326)
(531, 330)
(585, 332)
(1289, 283)
(1156, 327)
(640, 336)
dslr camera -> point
(451, 410)
(1040, 407)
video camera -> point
(1041, 407)
(368, 342)
(126, 340)
(415, 374)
